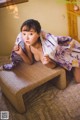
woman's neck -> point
(37, 45)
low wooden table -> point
(24, 78)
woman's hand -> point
(19, 50)
(48, 62)
(16, 48)
(46, 59)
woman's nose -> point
(27, 37)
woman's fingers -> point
(46, 60)
(19, 51)
(16, 47)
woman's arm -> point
(25, 58)
(29, 53)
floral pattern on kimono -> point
(57, 47)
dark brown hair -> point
(31, 23)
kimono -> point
(15, 58)
(57, 48)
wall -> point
(78, 19)
(51, 14)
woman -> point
(48, 48)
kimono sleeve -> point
(53, 39)
(64, 40)
(18, 39)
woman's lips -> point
(27, 42)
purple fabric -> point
(16, 59)
(57, 49)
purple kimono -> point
(15, 58)
(57, 47)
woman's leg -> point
(77, 74)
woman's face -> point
(30, 37)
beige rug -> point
(47, 103)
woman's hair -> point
(31, 24)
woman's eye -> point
(31, 33)
(24, 34)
